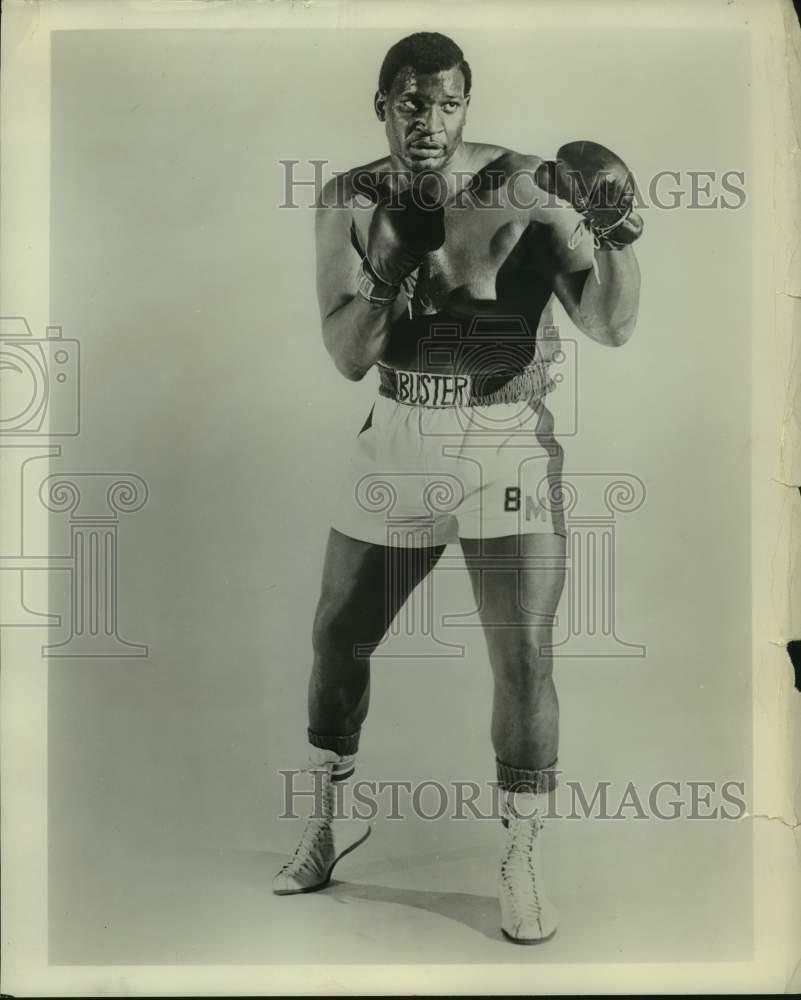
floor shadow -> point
(479, 913)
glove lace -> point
(600, 234)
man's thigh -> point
(517, 582)
(365, 585)
(510, 463)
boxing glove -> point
(405, 227)
(599, 185)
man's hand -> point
(405, 227)
(599, 185)
(600, 291)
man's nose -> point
(429, 120)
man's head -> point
(423, 94)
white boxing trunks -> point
(436, 461)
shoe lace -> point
(314, 833)
(524, 892)
(316, 830)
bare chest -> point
(480, 242)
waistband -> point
(446, 391)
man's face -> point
(425, 116)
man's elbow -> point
(619, 334)
(610, 334)
(622, 326)
(353, 373)
(348, 368)
(344, 364)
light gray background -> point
(204, 373)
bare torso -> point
(478, 300)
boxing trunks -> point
(443, 457)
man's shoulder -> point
(343, 188)
(499, 168)
(507, 160)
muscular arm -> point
(604, 308)
(355, 332)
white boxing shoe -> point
(527, 915)
(316, 855)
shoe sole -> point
(327, 880)
(539, 940)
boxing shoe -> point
(527, 915)
(317, 853)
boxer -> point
(436, 264)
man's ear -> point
(467, 101)
(380, 105)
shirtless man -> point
(414, 252)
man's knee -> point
(340, 634)
(522, 656)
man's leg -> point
(518, 581)
(364, 586)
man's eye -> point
(451, 106)
(407, 106)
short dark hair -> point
(425, 52)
